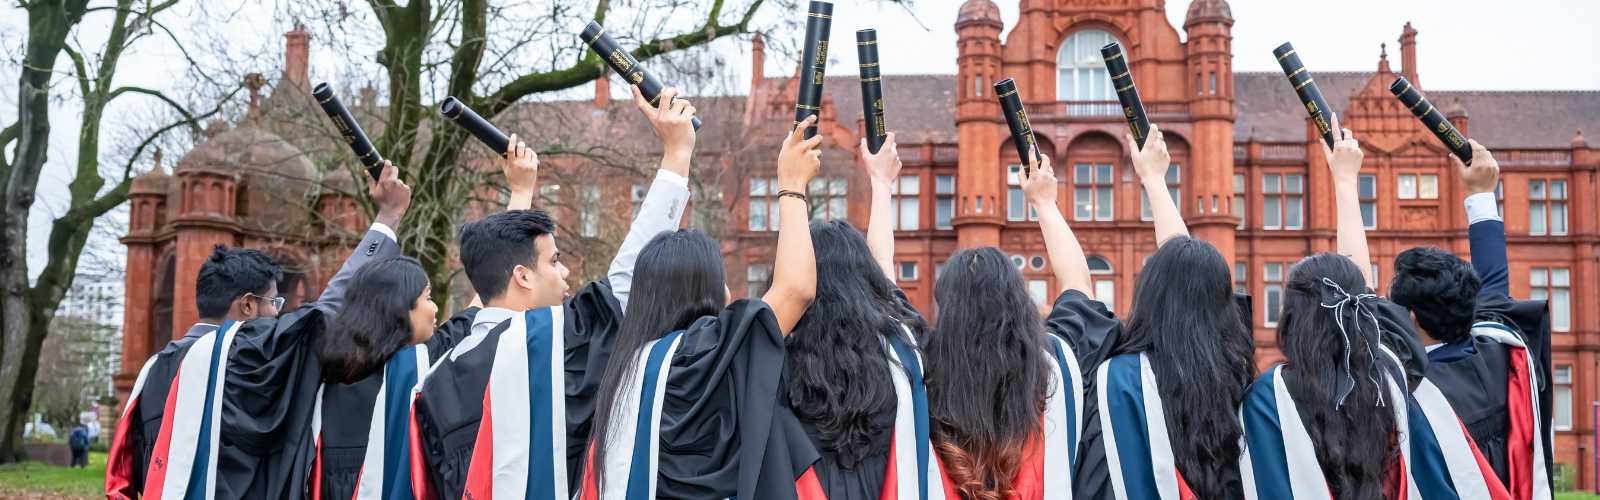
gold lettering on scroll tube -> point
(1023, 119)
(1322, 124)
(636, 77)
(621, 61)
(339, 123)
(881, 128)
(1454, 140)
(1133, 125)
(1311, 107)
(816, 78)
(822, 53)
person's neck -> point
(213, 321)
(511, 303)
(1427, 340)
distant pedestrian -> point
(78, 441)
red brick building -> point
(1246, 171)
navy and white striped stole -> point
(1134, 430)
(385, 469)
(521, 445)
(184, 462)
(632, 472)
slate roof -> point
(1266, 105)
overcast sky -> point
(1461, 45)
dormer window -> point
(1081, 70)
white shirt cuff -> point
(383, 228)
(673, 177)
(1481, 207)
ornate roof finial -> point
(157, 155)
(1383, 51)
(254, 81)
(1578, 140)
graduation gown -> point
(696, 396)
(1124, 451)
(1438, 461)
(901, 465)
(1486, 378)
(537, 375)
(134, 439)
(361, 429)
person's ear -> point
(247, 306)
(521, 276)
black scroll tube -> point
(1132, 107)
(365, 151)
(461, 115)
(871, 89)
(1432, 118)
(819, 23)
(1316, 106)
(1017, 119)
(624, 64)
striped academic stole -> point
(1050, 473)
(119, 463)
(1134, 431)
(914, 472)
(183, 465)
(1525, 445)
(632, 475)
(385, 470)
(521, 451)
(1438, 459)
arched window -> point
(1105, 290)
(1081, 70)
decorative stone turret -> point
(977, 217)
(1209, 25)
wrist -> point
(389, 218)
(796, 185)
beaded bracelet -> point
(795, 195)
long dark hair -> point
(1185, 319)
(375, 321)
(837, 365)
(986, 373)
(1356, 443)
(678, 279)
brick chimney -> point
(1408, 55)
(758, 61)
(602, 91)
(295, 57)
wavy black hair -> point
(679, 278)
(987, 375)
(375, 321)
(228, 274)
(1185, 319)
(1356, 443)
(1439, 288)
(837, 365)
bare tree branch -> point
(192, 121)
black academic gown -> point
(450, 407)
(1093, 332)
(149, 409)
(720, 392)
(1474, 378)
(347, 413)
(792, 447)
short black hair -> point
(1440, 289)
(229, 274)
(492, 246)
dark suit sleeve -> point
(1488, 240)
(374, 246)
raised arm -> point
(794, 274)
(1066, 256)
(883, 169)
(1344, 162)
(664, 205)
(521, 166)
(1485, 230)
(393, 198)
(1151, 164)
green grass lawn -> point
(1575, 496)
(50, 482)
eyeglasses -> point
(277, 302)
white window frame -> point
(1014, 194)
(1272, 274)
(1096, 187)
(1553, 284)
(1174, 181)
(1078, 61)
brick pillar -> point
(1210, 190)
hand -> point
(671, 121)
(1040, 187)
(392, 196)
(799, 159)
(521, 166)
(884, 167)
(1152, 161)
(1484, 174)
(1344, 158)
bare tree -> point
(27, 310)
